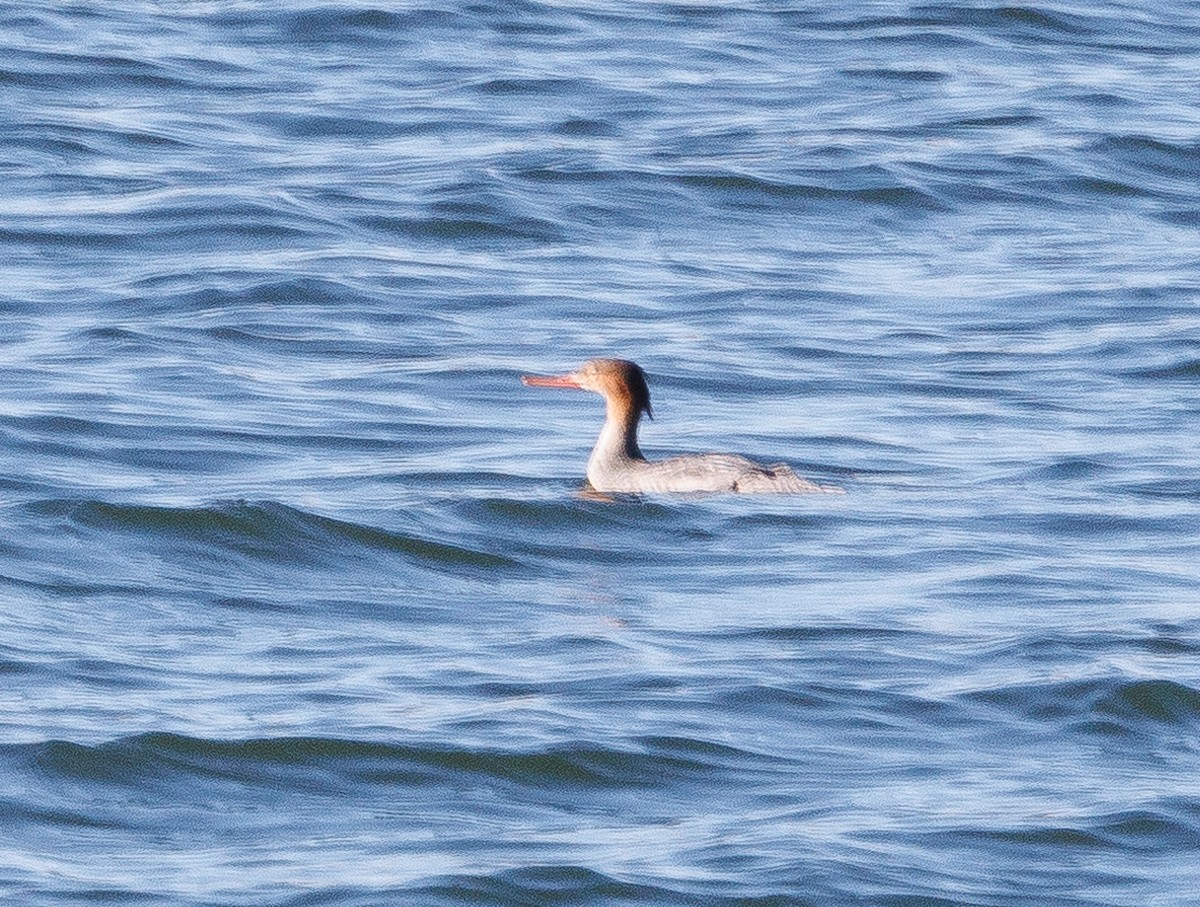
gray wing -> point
(724, 472)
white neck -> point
(618, 438)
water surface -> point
(301, 603)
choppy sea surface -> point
(300, 603)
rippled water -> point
(300, 602)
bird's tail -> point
(779, 478)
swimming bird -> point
(617, 465)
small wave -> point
(74, 591)
(878, 74)
(1095, 187)
(753, 191)
(548, 173)
(47, 70)
(1151, 155)
(1150, 831)
(1155, 700)
(818, 632)
(322, 762)
(74, 239)
(1183, 489)
(333, 25)
(540, 87)
(476, 227)
(1112, 706)
(266, 530)
(1106, 524)
(10, 667)
(571, 512)
(1163, 639)
(301, 291)
(1012, 21)
(130, 141)
(23, 811)
(587, 127)
(320, 126)
(1181, 217)
(1186, 368)
(1137, 831)
(549, 884)
(996, 121)
(957, 25)
(1066, 469)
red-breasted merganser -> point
(617, 464)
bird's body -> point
(617, 465)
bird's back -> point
(702, 473)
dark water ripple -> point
(302, 604)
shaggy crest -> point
(621, 376)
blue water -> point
(300, 603)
